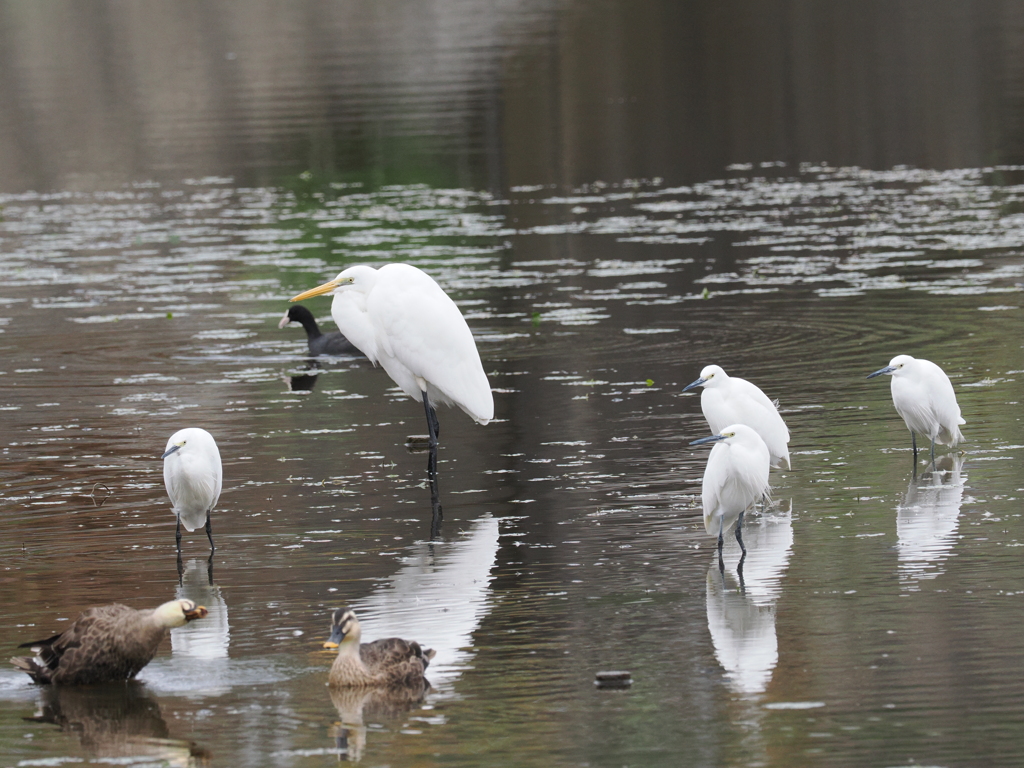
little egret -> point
(924, 397)
(109, 643)
(729, 399)
(735, 478)
(193, 478)
(400, 318)
(330, 343)
(388, 662)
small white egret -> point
(924, 397)
(319, 343)
(399, 317)
(193, 478)
(729, 400)
(735, 478)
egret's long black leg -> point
(209, 533)
(933, 455)
(177, 536)
(913, 442)
(739, 533)
(433, 429)
(721, 544)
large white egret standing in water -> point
(924, 397)
(400, 318)
(193, 478)
(735, 478)
(729, 400)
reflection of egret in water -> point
(212, 638)
(356, 706)
(116, 721)
(927, 520)
(741, 608)
(437, 598)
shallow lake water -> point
(616, 195)
(876, 617)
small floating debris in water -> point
(613, 679)
(416, 443)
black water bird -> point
(331, 343)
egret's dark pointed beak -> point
(320, 290)
(697, 383)
(880, 371)
(199, 612)
(708, 439)
(335, 639)
(170, 450)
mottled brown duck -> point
(390, 662)
(105, 644)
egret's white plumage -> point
(924, 397)
(193, 478)
(735, 478)
(401, 319)
(729, 400)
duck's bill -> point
(335, 639)
(708, 439)
(880, 371)
(199, 612)
(320, 290)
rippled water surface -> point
(877, 620)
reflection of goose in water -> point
(356, 706)
(741, 608)
(438, 597)
(927, 520)
(115, 721)
(209, 638)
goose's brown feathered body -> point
(104, 644)
(391, 662)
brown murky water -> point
(877, 618)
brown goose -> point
(104, 644)
(382, 663)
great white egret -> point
(400, 318)
(736, 476)
(729, 400)
(319, 343)
(108, 643)
(924, 397)
(388, 662)
(193, 478)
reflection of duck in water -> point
(741, 609)
(210, 638)
(115, 721)
(391, 662)
(927, 520)
(356, 706)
